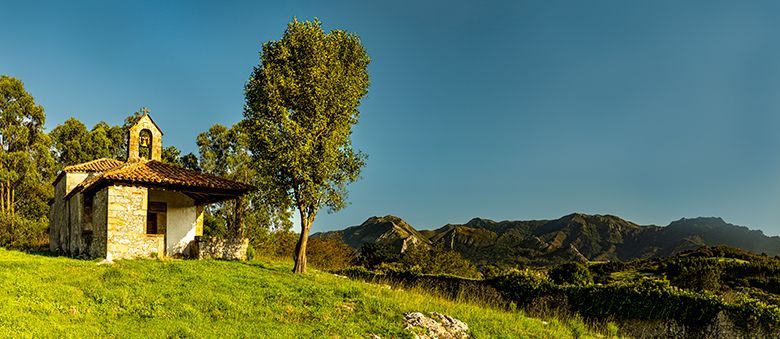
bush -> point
(250, 252)
(329, 254)
(437, 261)
(278, 244)
(572, 273)
(695, 274)
(492, 271)
(522, 286)
(375, 254)
(20, 232)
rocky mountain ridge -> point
(577, 237)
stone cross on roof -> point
(145, 110)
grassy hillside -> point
(44, 296)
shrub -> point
(373, 254)
(20, 232)
(572, 273)
(695, 274)
(250, 252)
(278, 244)
(491, 271)
(522, 286)
(437, 261)
(329, 254)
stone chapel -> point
(138, 208)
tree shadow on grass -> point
(37, 252)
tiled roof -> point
(99, 165)
(156, 173)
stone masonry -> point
(126, 226)
(97, 246)
(220, 248)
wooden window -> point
(156, 217)
(151, 223)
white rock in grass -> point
(451, 324)
(438, 326)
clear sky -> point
(649, 110)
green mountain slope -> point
(44, 296)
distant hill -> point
(389, 230)
(574, 237)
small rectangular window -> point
(156, 217)
(151, 223)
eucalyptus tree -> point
(74, 144)
(26, 166)
(301, 103)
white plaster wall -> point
(182, 217)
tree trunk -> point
(7, 196)
(300, 248)
(238, 217)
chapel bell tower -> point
(145, 141)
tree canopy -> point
(224, 152)
(26, 166)
(73, 144)
(301, 103)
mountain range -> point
(574, 237)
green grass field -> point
(43, 296)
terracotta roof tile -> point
(99, 165)
(156, 172)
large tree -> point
(26, 166)
(301, 103)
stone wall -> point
(61, 235)
(97, 244)
(219, 248)
(126, 226)
(74, 224)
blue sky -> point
(649, 110)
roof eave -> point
(174, 187)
